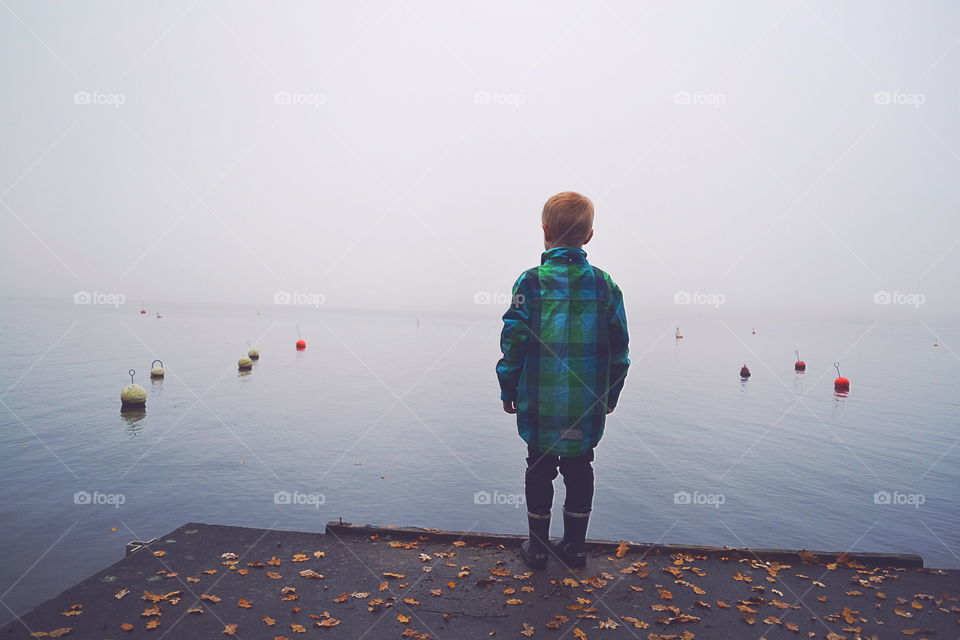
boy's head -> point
(567, 220)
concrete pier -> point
(212, 581)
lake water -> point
(385, 422)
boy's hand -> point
(509, 407)
(610, 410)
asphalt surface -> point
(367, 582)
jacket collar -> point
(564, 254)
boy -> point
(564, 345)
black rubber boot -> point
(534, 551)
(572, 548)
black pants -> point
(577, 478)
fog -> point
(768, 160)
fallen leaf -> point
(622, 549)
(230, 630)
(309, 573)
(327, 622)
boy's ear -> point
(589, 235)
(547, 235)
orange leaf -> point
(622, 549)
(327, 622)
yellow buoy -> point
(253, 354)
(155, 371)
(133, 395)
(245, 364)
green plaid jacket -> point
(564, 344)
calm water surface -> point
(382, 421)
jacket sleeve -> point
(619, 342)
(514, 339)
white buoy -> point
(155, 371)
(253, 354)
(245, 364)
(133, 396)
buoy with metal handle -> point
(800, 366)
(301, 343)
(133, 396)
(841, 384)
(245, 364)
(155, 371)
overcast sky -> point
(786, 156)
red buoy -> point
(301, 344)
(143, 310)
(744, 372)
(841, 383)
(799, 365)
